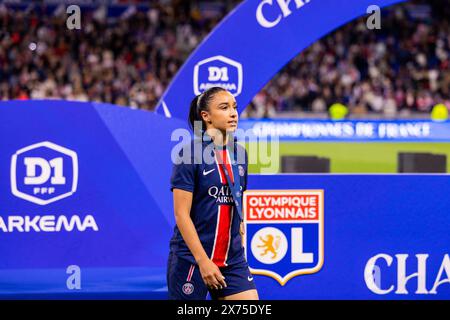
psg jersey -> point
(213, 212)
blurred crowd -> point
(402, 68)
(126, 60)
(130, 59)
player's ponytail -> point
(198, 104)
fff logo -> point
(44, 172)
(218, 71)
(218, 74)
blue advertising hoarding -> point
(86, 211)
(345, 130)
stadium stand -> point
(127, 55)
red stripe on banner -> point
(222, 239)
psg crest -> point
(284, 234)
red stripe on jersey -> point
(226, 157)
(223, 158)
(191, 272)
(222, 238)
(223, 179)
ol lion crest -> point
(284, 234)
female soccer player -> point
(206, 252)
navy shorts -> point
(185, 282)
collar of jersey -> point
(206, 140)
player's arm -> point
(182, 205)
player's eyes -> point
(225, 106)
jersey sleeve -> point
(183, 176)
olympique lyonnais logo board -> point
(284, 232)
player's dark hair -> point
(201, 103)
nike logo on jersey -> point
(205, 173)
(250, 278)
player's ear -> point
(205, 116)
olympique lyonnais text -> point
(283, 207)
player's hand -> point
(211, 275)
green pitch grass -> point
(349, 157)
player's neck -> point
(218, 137)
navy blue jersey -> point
(213, 213)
